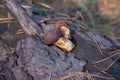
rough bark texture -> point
(25, 21)
(5, 72)
(3, 50)
(41, 61)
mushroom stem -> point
(66, 32)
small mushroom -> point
(52, 36)
(59, 36)
(60, 23)
(65, 44)
(66, 32)
(63, 27)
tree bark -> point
(29, 26)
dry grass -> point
(112, 63)
(5, 20)
(20, 31)
(85, 75)
(77, 75)
(105, 59)
(104, 72)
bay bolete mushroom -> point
(62, 25)
(66, 32)
(59, 36)
(52, 36)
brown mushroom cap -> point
(52, 36)
(60, 23)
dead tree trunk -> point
(21, 16)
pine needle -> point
(98, 46)
(105, 59)
(20, 31)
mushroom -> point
(65, 44)
(59, 36)
(66, 32)
(52, 36)
(62, 25)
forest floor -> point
(99, 37)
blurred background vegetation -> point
(103, 15)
